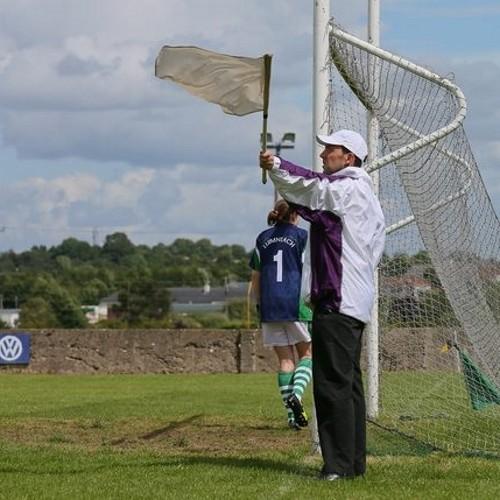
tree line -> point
(50, 285)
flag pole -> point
(267, 80)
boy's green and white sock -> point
(302, 376)
(285, 383)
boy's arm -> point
(255, 288)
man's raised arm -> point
(302, 186)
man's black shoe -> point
(294, 403)
(333, 476)
(330, 477)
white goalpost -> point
(321, 77)
(434, 339)
(321, 125)
(372, 333)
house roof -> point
(110, 299)
(196, 295)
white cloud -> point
(77, 79)
(81, 74)
(76, 83)
(127, 190)
(148, 204)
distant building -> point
(205, 299)
(202, 299)
(10, 317)
(101, 311)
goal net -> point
(439, 279)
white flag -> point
(237, 84)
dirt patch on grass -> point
(193, 434)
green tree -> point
(224, 256)
(36, 258)
(15, 287)
(74, 273)
(68, 311)
(395, 266)
(183, 247)
(66, 308)
(37, 313)
(143, 299)
(246, 314)
(64, 263)
(75, 249)
(204, 249)
(136, 266)
(117, 246)
(422, 257)
(93, 291)
(8, 261)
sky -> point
(92, 143)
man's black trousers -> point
(338, 392)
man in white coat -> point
(347, 240)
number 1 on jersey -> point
(278, 258)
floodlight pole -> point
(372, 334)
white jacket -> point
(347, 233)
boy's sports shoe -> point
(294, 403)
(294, 425)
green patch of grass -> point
(196, 436)
(434, 407)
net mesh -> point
(439, 296)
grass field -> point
(196, 436)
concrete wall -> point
(146, 351)
(418, 349)
(204, 351)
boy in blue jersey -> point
(276, 279)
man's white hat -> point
(349, 139)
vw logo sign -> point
(11, 348)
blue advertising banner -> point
(15, 348)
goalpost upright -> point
(321, 76)
(372, 332)
(321, 79)
(321, 84)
